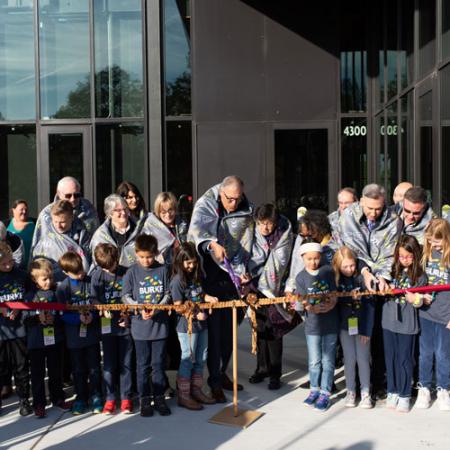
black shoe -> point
(146, 407)
(6, 391)
(161, 406)
(257, 377)
(380, 394)
(218, 395)
(25, 408)
(274, 385)
(227, 384)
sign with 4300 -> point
(361, 130)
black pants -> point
(378, 376)
(50, 356)
(86, 366)
(270, 348)
(14, 359)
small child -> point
(186, 285)
(45, 336)
(434, 318)
(13, 346)
(82, 334)
(321, 324)
(106, 280)
(356, 323)
(148, 282)
(400, 323)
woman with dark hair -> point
(134, 199)
(21, 225)
(271, 251)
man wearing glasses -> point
(68, 188)
(415, 212)
(222, 227)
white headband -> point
(310, 247)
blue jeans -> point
(434, 342)
(117, 355)
(150, 356)
(193, 363)
(321, 361)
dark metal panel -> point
(232, 149)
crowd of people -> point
(390, 344)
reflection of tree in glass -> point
(117, 95)
(178, 95)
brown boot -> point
(196, 390)
(184, 395)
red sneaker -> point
(126, 406)
(39, 411)
(109, 407)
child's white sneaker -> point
(391, 400)
(350, 400)
(423, 398)
(366, 401)
(403, 404)
(443, 399)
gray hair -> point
(232, 180)
(110, 203)
(66, 180)
(2, 231)
(374, 191)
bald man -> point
(400, 190)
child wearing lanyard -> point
(356, 324)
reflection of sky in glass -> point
(176, 42)
(64, 55)
(17, 81)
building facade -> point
(299, 98)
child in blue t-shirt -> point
(82, 334)
(45, 337)
(321, 324)
(106, 281)
(147, 281)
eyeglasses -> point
(231, 199)
(413, 213)
(120, 210)
(73, 194)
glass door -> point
(65, 151)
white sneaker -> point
(443, 399)
(366, 401)
(423, 398)
(403, 405)
(391, 400)
(350, 400)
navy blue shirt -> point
(35, 330)
(78, 292)
(439, 310)
(13, 286)
(323, 282)
(107, 290)
(362, 308)
(147, 285)
(191, 291)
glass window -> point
(407, 42)
(354, 153)
(445, 133)
(119, 87)
(427, 33)
(18, 171)
(445, 28)
(380, 129)
(64, 58)
(179, 157)
(120, 156)
(391, 131)
(407, 136)
(426, 141)
(353, 55)
(391, 49)
(177, 57)
(17, 78)
(301, 170)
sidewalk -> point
(287, 424)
